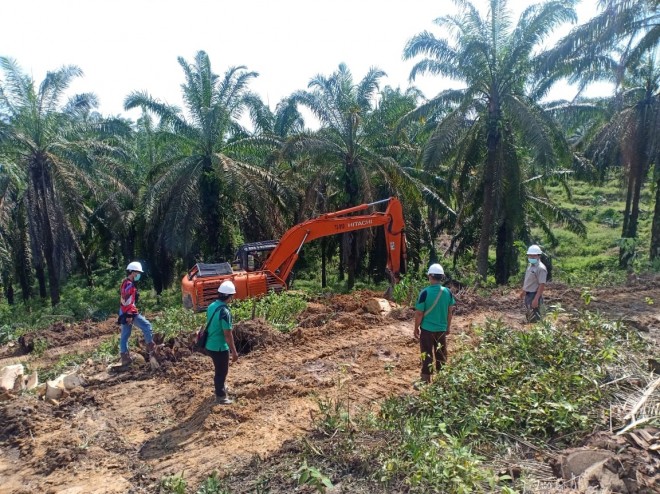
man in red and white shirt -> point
(129, 314)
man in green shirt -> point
(433, 314)
(220, 339)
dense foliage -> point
(80, 192)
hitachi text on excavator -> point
(253, 276)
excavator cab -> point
(202, 271)
(251, 257)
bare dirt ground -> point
(122, 432)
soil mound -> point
(61, 334)
(351, 302)
(19, 419)
(257, 333)
(402, 313)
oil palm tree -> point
(359, 160)
(620, 45)
(483, 126)
(342, 106)
(630, 138)
(201, 194)
(55, 155)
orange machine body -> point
(200, 284)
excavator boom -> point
(198, 289)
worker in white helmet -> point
(433, 313)
(129, 314)
(220, 340)
(534, 284)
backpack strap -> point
(212, 316)
(435, 302)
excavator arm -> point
(200, 284)
(284, 256)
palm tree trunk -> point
(631, 215)
(41, 280)
(212, 242)
(22, 261)
(53, 283)
(52, 264)
(634, 212)
(655, 228)
(488, 198)
(433, 219)
(53, 269)
(8, 287)
(350, 243)
(505, 255)
(351, 260)
(25, 281)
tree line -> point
(183, 185)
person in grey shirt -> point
(534, 284)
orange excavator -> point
(253, 277)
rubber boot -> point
(225, 399)
(126, 359)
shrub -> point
(280, 310)
(541, 384)
(173, 484)
(175, 321)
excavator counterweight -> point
(253, 277)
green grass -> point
(595, 258)
(280, 310)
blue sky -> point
(127, 45)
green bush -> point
(212, 485)
(175, 321)
(173, 484)
(408, 288)
(541, 384)
(280, 310)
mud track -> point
(124, 432)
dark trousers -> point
(533, 315)
(221, 363)
(432, 344)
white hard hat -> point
(435, 269)
(134, 266)
(227, 288)
(534, 250)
